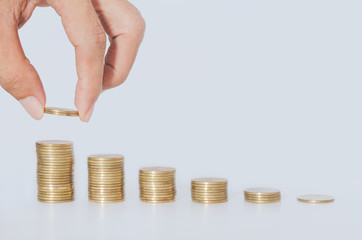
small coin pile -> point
(106, 178)
(315, 198)
(157, 184)
(209, 190)
(262, 195)
(55, 171)
(61, 111)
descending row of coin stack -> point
(156, 184)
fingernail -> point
(33, 107)
(89, 114)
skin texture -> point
(87, 24)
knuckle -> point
(139, 26)
(12, 83)
(99, 38)
(13, 80)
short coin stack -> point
(106, 178)
(55, 171)
(157, 184)
(262, 195)
(209, 190)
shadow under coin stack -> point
(106, 178)
(262, 195)
(157, 184)
(55, 171)
(209, 190)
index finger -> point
(86, 34)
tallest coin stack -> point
(55, 171)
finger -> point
(86, 33)
(125, 28)
(17, 75)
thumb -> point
(17, 76)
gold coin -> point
(57, 176)
(209, 197)
(209, 194)
(106, 174)
(256, 201)
(209, 202)
(149, 189)
(54, 171)
(105, 165)
(61, 111)
(55, 193)
(105, 156)
(155, 176)
(156, 183)
(105, 184)
(152, 193)
(55, 201)
(209, 180)
(208, 188)
(105, 196)
(262, 191)
(110, 168)
(52, 143)
(52, 182)
(106, 200)
(262, 195)
(158, 201)
(105, 181)
(315, 198)
(157, 196)
(157, 169)
(55, 168)
(262, 200)
(55, 196)
(165, 199)
(115, 189)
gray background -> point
(264, 93)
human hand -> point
(85, 23)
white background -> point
(264, 93)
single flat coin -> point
(315, 198)
(61, 111)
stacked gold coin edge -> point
(157, 184)
(209, 190)
(253, 196)
(106, 178)
(55, 171)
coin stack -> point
(55, 171)
(157, 184)
(106, 178)
(262, 195)
(209, 190)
